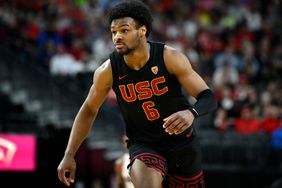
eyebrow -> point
(120, 25)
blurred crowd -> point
(234, 44)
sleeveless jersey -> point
(147, 96)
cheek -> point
(130, 40)
(135, 39)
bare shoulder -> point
(103, 74)
(102, 83)
(104, 68)
(175, 61)
(178, 64)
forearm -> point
(81, 126)
(205, 104)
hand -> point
(178, 122)
(67, 165)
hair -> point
(135, 9)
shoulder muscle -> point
(102, 83)
(179, 65)
(176, 62)
(103, 76)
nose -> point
(118, 36)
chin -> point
(123, 52)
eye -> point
(125, 30)
(114, 32)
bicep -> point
(178, 65)
(192, 83)
(102, 82)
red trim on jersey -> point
(191, 178)
(158, 162)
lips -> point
(119, 45)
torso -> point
(147, 96)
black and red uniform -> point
(146, 97)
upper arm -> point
(179, 65)
(102, 83)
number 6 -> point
(151, 113)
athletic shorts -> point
(179, 161)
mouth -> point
(119, 45)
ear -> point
(143, 30)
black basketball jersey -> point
(147, 96)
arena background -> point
(50, 48)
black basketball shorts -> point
(180, 166)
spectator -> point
(270, 121)
(46, 53)
(251, 65)
(225, 75)
(228, 56)
(222, 122)
(76, 49)
(276, 143)
(247, 123)
(64, 64)
(276, 138)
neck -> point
(139, 57)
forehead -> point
(125, 21)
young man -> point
(147, 78)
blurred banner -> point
(17, 152)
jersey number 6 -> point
(151, 113)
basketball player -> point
(147, 78)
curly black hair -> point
(135, 9)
